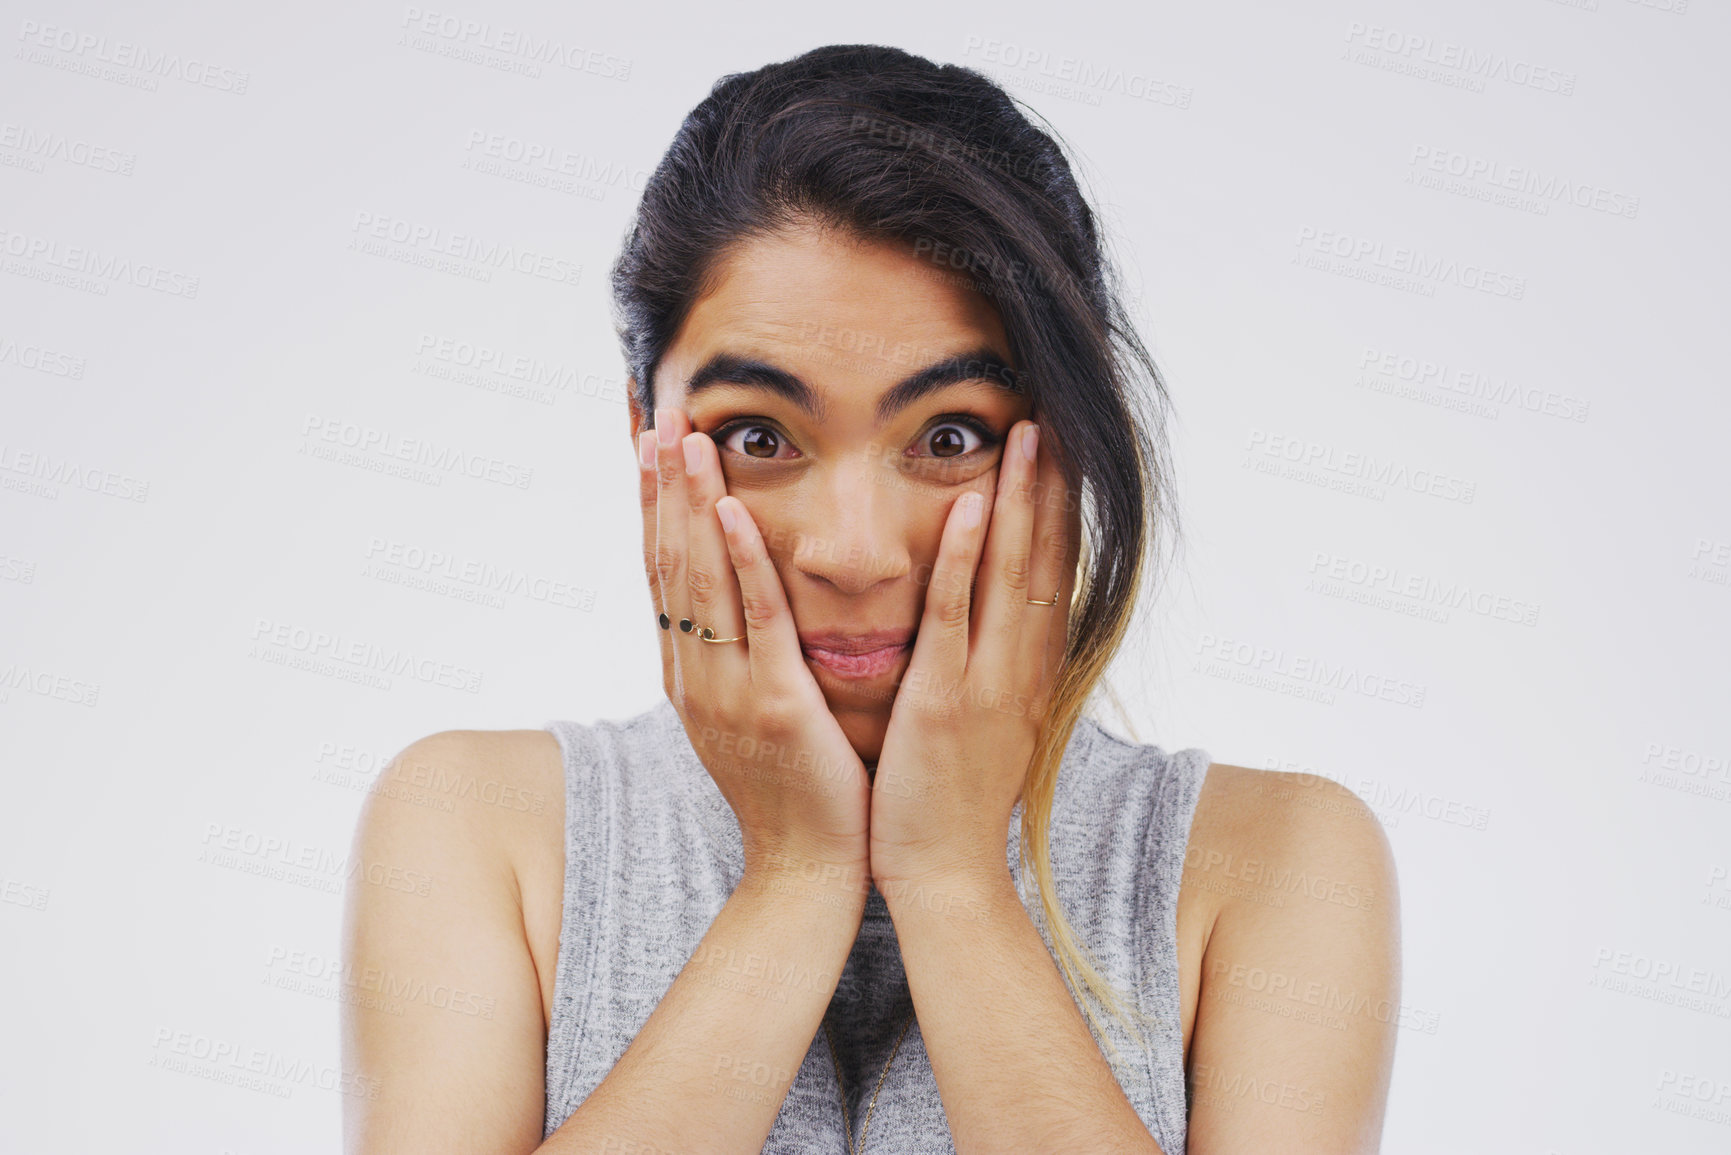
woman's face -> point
(907, 403)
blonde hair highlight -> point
(1087, 657)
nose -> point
(854, 526)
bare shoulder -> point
(1263, 840)
(1300, 977)
(497, 796)
(1303, 816)
(477, 772)
(501, 794)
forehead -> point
(842, 312)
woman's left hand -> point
(968, 711)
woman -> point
(858, 882)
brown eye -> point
(750, 440)
(760, 442)
(947, 440)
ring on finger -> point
(705, 633)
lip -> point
(867, 654)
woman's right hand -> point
(752, 710)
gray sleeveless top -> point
(653, 851)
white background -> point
(1557, 789)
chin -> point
(864, 727)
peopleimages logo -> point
(373, 231)
(256, 1068)
(1365, 470)
(40, 359)
(40, 145)
(105, 268)
(1662, 980)
(1424, 268)
(1274, 667)
(527, 47)
(286, 643)
(556, 160)
(396, 561)
(53, 471)
(1090, 78)
(443, 459)
(1379, 578)
(125, 54)
(1420, 49)
(331, 977)
(48, 684)
(1547, 187)
(1468, 382)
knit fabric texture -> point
(653, 851)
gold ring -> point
(708, 635)
(1038, 602)
(686, 625)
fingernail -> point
(664, 431)
(646, 449)
(692, 456)
(971, 505)
(1030, 439)
(729, 519)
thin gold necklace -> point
(847, 1126)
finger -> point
(771, 639)
(941, 646)
(672, 515)
(1057, 543)
(714, 590)
(1059, 639)
(1002, 586)
(648, 488)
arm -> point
(1016, 1066)
(714, 1061)
(710, 1067)
(1294, 1040)
(432, 931)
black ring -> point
(666, 622)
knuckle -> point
(1018, 569)
(952, 606)
(1055, 541)
(666, 563)
(703, 583)
(936, 706)
(759, 611)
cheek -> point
(926, 534)
(785, 524)
(774, 526)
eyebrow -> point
(982, 364)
